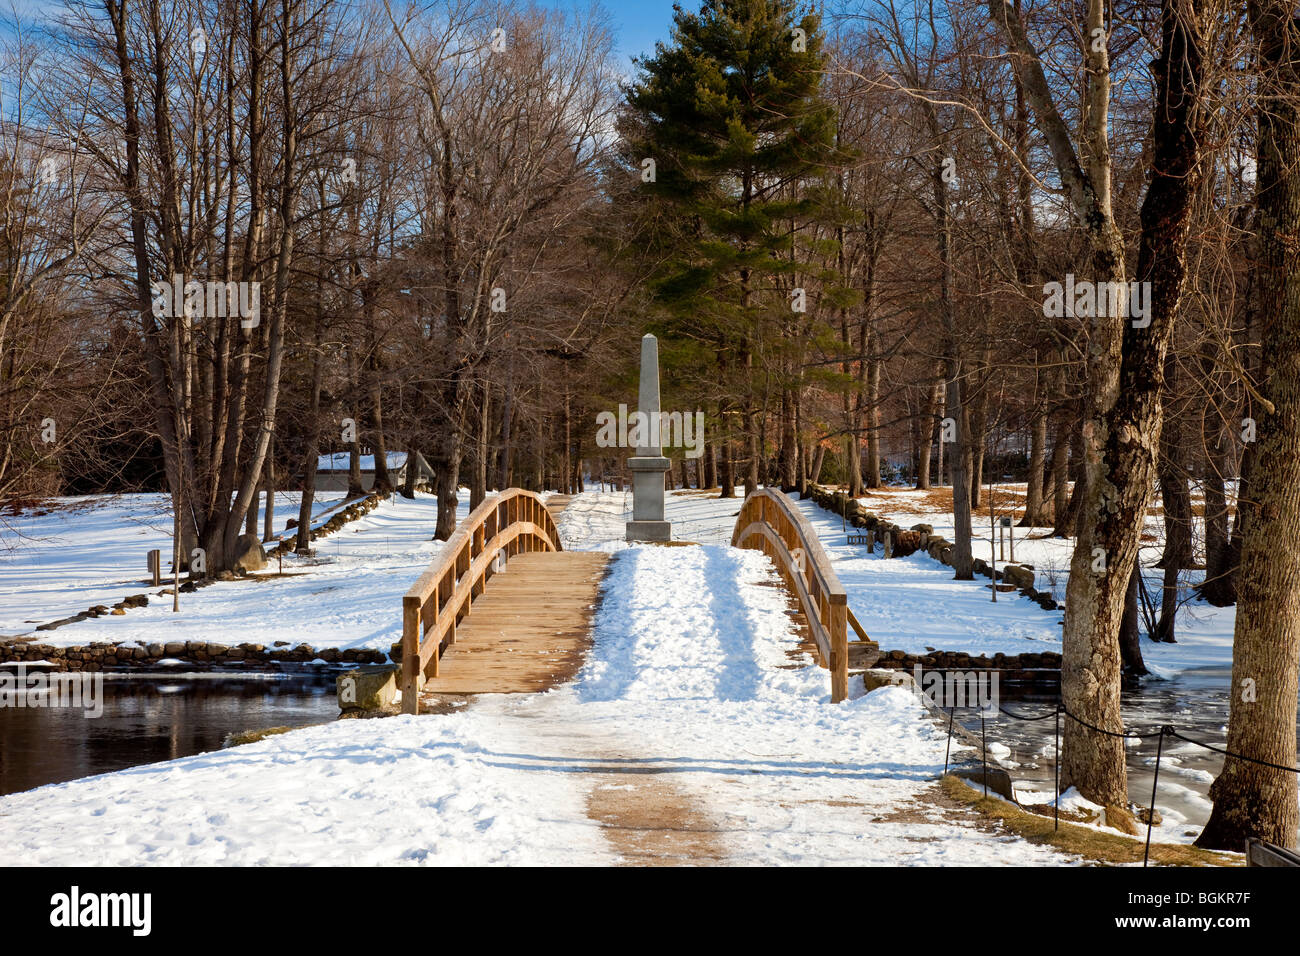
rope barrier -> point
(1161, 733)
(1023, 717)
(1166, 729)
(1228, 753)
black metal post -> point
(984, 746)
(948, 749)
(1056, 804)
(1155, 780)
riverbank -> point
(343, 602)
(697, 731)
(693, 645)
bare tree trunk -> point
(1219, 586)
(962, 559)
(355, 489)
(379, 445)
(852, 465)
(1177, 503)
(409, 477)
(1058, 469)
(726, 471)
(1251, 799)
(753, 451)
(940, 415)
(871, 471)
(1174, 495)
(1130, 633)
(478, 491)
(254, 512)
(311, 453)
(506, 466)
(1067, 518)
(929, 424)
(449, 449)
(976, 440)
(1125, 365)
(268, 525)
(789, 446)
(1033, 516)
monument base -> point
(652, 531)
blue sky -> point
(637, 24)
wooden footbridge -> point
(530, 630)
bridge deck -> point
(528, 630)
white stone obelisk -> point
(649, 464)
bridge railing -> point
(509, 523)
(770, 522)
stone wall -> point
(358, 509)
(103, 656)
(1044, 668)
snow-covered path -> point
(696, 732)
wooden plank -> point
(1259, 853)
(858, 628)
(530, 629)
(863, 654)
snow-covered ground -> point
(93, 552)
(690, 702)
(911, 603)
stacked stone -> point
(101, 655)
(1038, 669)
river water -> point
(1195, 704)
(154, 717)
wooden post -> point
(410, 655)
(465, 557)
(155, 566)
(839, 662)
(436, 597)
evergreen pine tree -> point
(732, 116)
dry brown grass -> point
(907, 501)
(253, 736)
(1095, 845)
